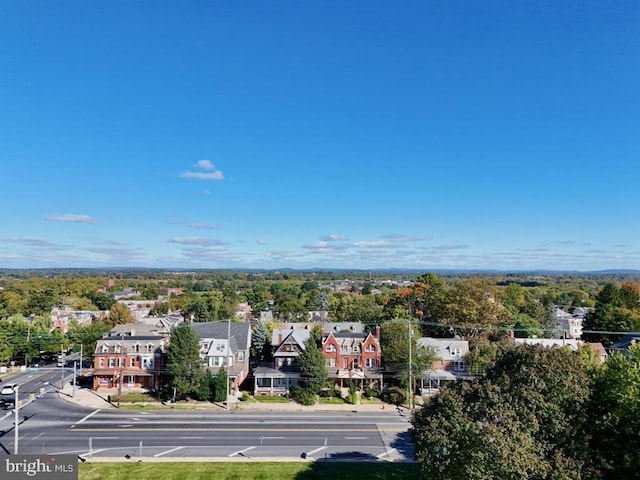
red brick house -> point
(353, 355)
(128, 363)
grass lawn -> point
(331, 401)
(249, 471)
(271, 399)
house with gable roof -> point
(225, 344)
(279, 377)
(352, 354)
(448, 366)
(129, 357)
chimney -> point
(377, 330)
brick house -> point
(352, 355)
(133, 363)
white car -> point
(7, 390)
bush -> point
(397, 395)
(303, 396)
(244, 397)
(372, 393)
(331, 392)
(352, 398)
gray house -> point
(225, 344)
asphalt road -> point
(48, 424)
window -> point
(344, 348)
(149, 348)
(101, 362)
(345, 363)
(356, 348)
(355, 363)
(370, 348)
(331, 362)
(241, 356)
(370, 362)
(456, 351)
(458, 365)
(112, 362)
(105, 348)
(131, 380)
(137, 347)
(132, 361)
(331, 348)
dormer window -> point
(370, 348)
(105, 348)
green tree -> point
(617, 309)
(102, 301)
(119, 314)
(615, 416)
(313, 369)
(259, 342)
(525, 419)
(473, 309)
(219, 391)
(183, 363)
(394, 344)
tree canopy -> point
(525, 419)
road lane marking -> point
(388, 452)
(316, 450)
(166, 452)
(240, 452)
(190, 438)
(356, 438)
(85, 418)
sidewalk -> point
(100, 400)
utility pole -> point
(121, 365)
(61, 363)
(228, 356)
(410, 373)
(15, 420)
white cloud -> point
(377, 244)
(210, 172)
(205, 165)
(333, 238)
(203, 242)
(400, 237)
(202, 225)
(70, 217)
(317, 245)
(261, 242)
(217, 175)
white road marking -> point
(240, 452)
(86, 418)
(166, 452)
(388, 452)
(316, 450)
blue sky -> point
(360, 134)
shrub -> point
(244, 397)
(303, 396)
(352, 398)
(397, 395)
(372, 393)
(331, 392)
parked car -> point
(7, 403)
